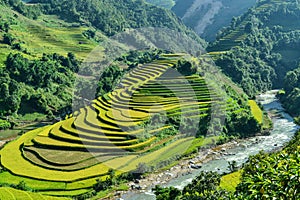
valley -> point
(122, 99)
(217, 160)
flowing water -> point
(283, 131)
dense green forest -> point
(260, 50)
(111, 16)
(43, 85)
(264, 176)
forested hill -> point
(209, 16)
(47, 39)
(261, 47)
(112, 16)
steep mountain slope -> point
(113, 16)
(260, 47)
(52, 33)
(166, 105)
(208, 17)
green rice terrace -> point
(113, 132)
(239, 33)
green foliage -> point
(4, 26)
(113, 16)
(264, 176)
(204, 187)
(32, 11)
(245, 67)
(266, 47)
(35, 83)
(186, 67)
(109, 79)
(272, 176)
(4, 124)
(8, 39)
(169, 193)
(103, 185)
(242, 124)
(291, 97)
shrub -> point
(4, 124)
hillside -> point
(123, 103)
(38, 34)
(152, 110)
(208, 17)
(126, 14)
(261, 46)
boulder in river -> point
(196, 166)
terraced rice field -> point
(237, 36)
(256, 111)
(13, 194)
(109, 133)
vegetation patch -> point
(256, 111)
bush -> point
(4, 124)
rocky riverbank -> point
(185, 166)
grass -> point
(32, 117)
(201, 142)
(256, 111)
(108, 193)
(47, 35)
(7, 193)
(11, 158)
(9, 133)
(175, 148)
(66, 193)
(8, 178)
(230, 181)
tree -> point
(13, 103)
(290, 81)
(169, 193)
(8, 39)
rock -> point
(138, 187)
(169, 174)
(191, 162)
(223, 149)
(118, 193)
(275, 145)
(196, 166)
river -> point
(282, 132)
